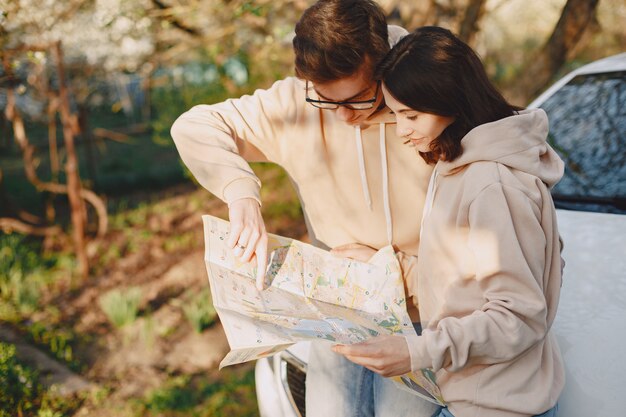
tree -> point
(460, 16)
(578, 16)
(73, 189)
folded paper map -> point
(310, 295)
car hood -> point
(591, 319)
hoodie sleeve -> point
(215, 141)
(508, 245)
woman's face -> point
(417, 127)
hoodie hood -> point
(384, 115)
(519, 142)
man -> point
(359, 188)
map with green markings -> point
(310, 295)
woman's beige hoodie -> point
(489, 273)
(356, 183)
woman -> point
(489, 266)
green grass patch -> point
(121, 306)
(232, 395)
(199, 311)
(59, 342)
(19, 388)
(182, 241)
(22, 395)
(26, 271)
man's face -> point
(357, 87)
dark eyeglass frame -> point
(333, 105)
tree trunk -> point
(535, 76)
(85, 131)
(78, 212)
(469, 25)
(410, 15)
(53, 106)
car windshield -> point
(588, 130)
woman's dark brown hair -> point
(432, 71)
(334, 38)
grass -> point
(27, 274)
(180, 242)
(26, 271)
(18, 384)
(57, 341)
(121, 306)
(22, 294)
(202, 396)
(200, 312)
(22, 395)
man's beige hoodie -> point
(356, 184)
(489, 273)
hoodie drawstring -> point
(385, 172)
(430, 197)
(359, 151)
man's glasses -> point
(332, 105)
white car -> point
(587, 112)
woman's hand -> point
(354, 251)
(385, 355)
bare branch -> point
(8, 225)
(28, 151)
(121, 135)
(174, 21)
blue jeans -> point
(339, 388)
(443, 412)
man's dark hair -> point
(334, 38)
(432, 71)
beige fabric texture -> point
(489, 273)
